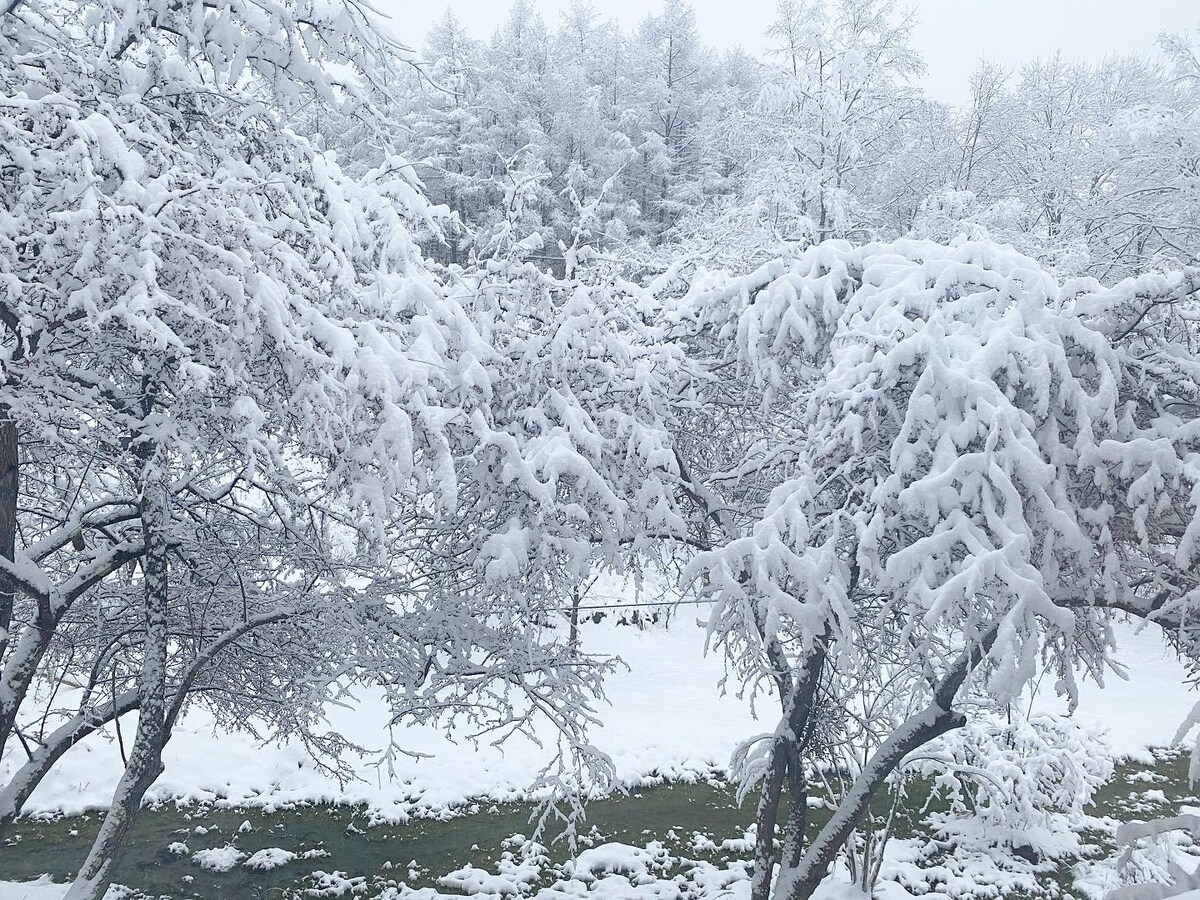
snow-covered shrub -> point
(269, 858)
(1021, 784)
(640, 865)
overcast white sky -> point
(951, 34)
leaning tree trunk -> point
(145, 757)
(787, 769)
(26, 779)
(799, 882)
(8, 549)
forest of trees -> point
(327, 364)
(663, 149)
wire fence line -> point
(639, 604)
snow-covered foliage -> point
(256, 448)
(966, 467)
(566, 468)
(1022, 784)
(957, 412)
(225, 361)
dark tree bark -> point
(801, 720)
(573, 637)
(765, 818)
(786, 768)
(801, 881)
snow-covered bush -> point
(218, 859)
(1020, 784)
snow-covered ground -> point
(42, 889)
(667, 719)
(1144, 711)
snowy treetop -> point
(974, 445)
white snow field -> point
(667, 719)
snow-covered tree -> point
(672, 68)
(954, 458)
(816, 148)
(200, 359)
(253, 426)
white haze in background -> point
(951, 35)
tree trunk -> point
(153, 730)
(573, 637)
(802, 708)
(801, 881)
(9, 471)
(765, 819)
(10, 698)
(20, 669)
(787, 767)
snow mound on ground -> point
(641, 865)
(512, 876)
(335, 884)
(269, 858)
(218, 859)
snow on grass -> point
(218, 859)
(613, 871)
(641, 865)
(269, 858)
(702, 843)
(45, 889)
(473, 880)
(335, 884)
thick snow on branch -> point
(973, 442)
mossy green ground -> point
(668, 813)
